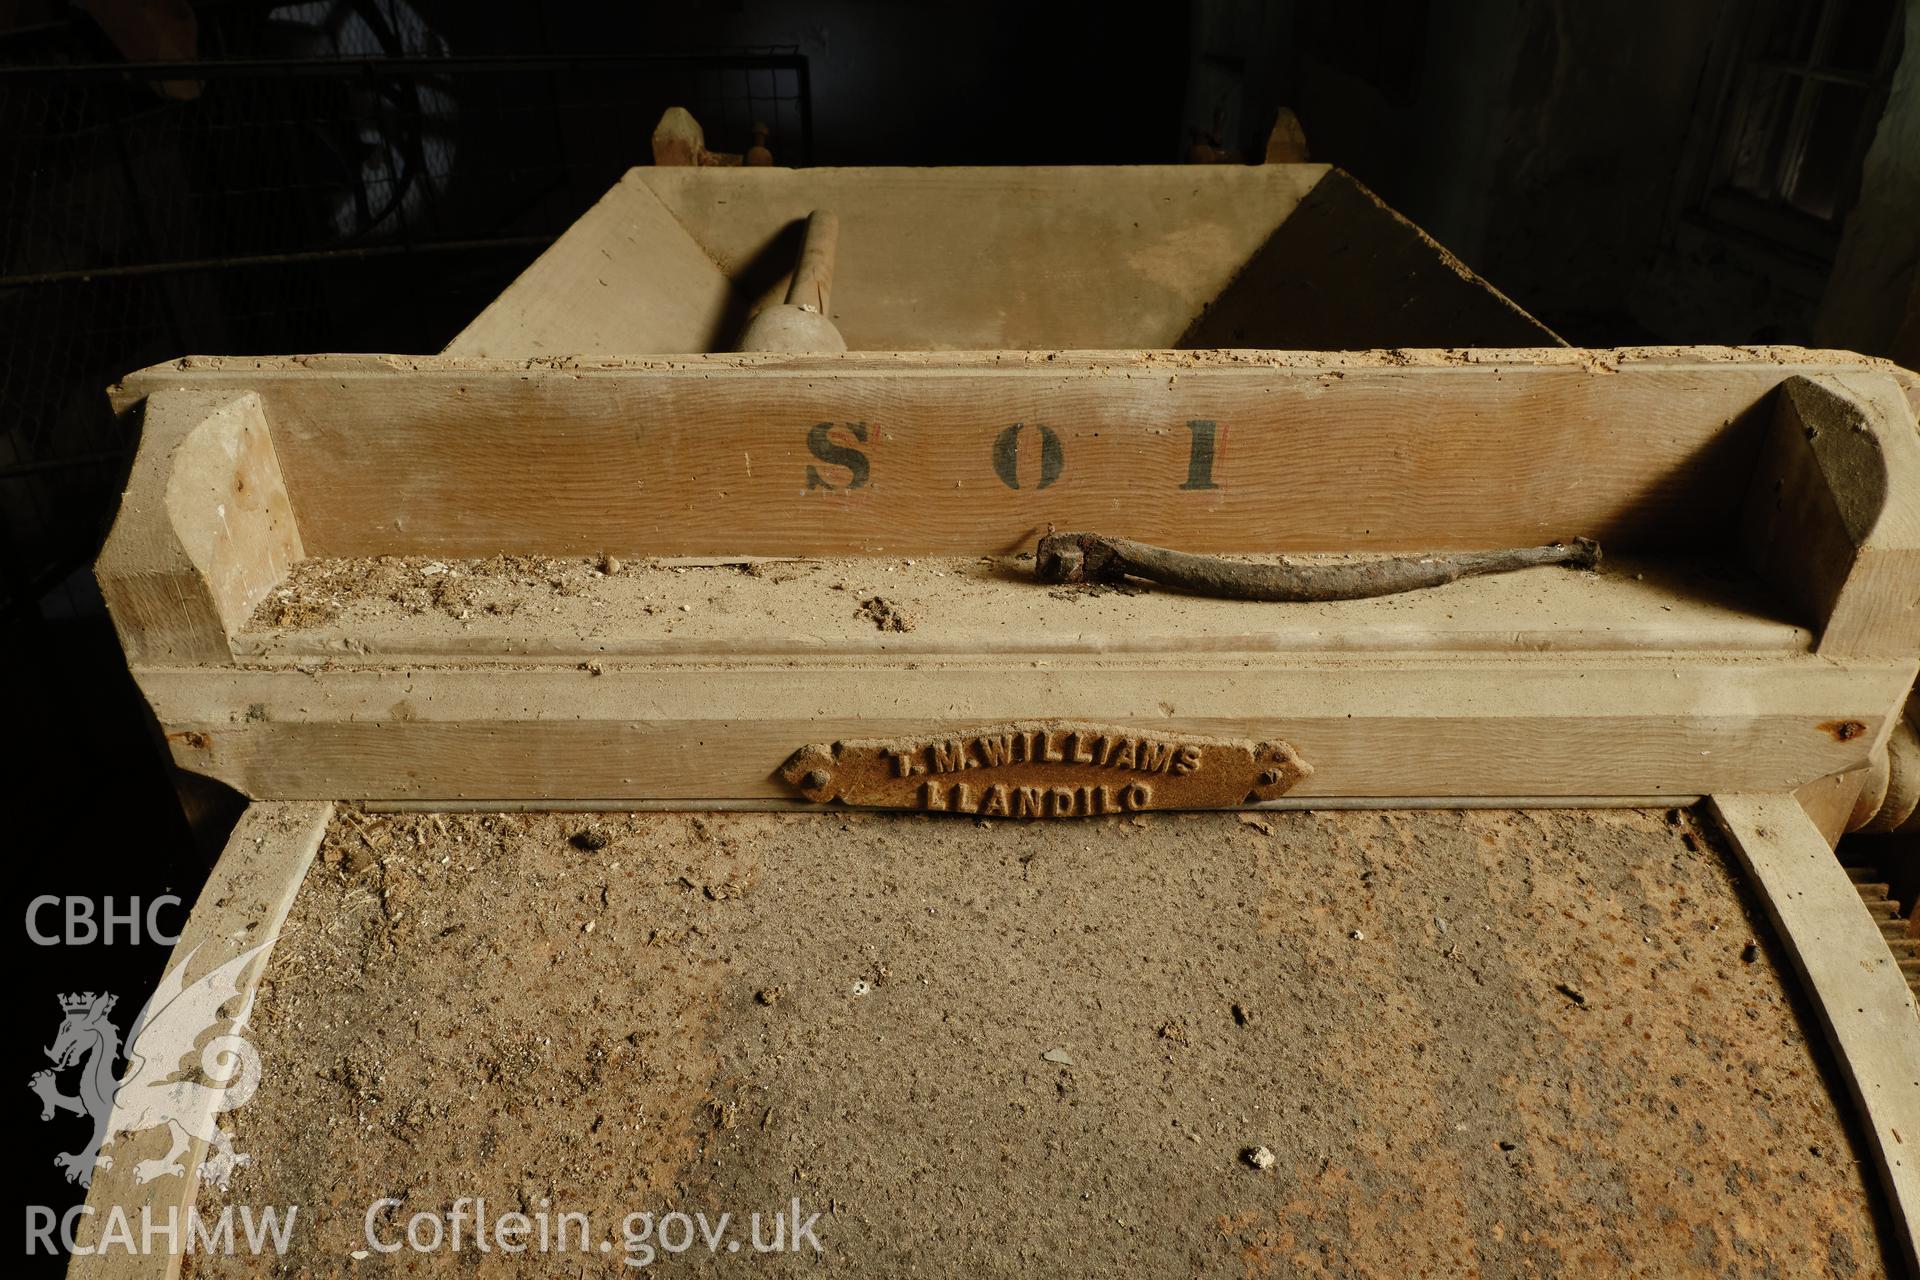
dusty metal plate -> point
(1046, 769)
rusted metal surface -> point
(1046, 769)
(1093, 557)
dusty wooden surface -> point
(972, 454)
(1345, 272)
(529, 677)
(1227, 451)
(406, 608)
(1503, 1044)
(1005, 257)
(626, 277)
(242, 907)
(1387, 725)
(931, 259)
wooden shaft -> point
(813, 275)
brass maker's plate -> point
(1046, 769)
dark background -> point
(368, 174)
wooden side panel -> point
(1861, 998)
(242, 907)
(980, 607)
(1344, 272)
(624, 278)
(1830, 802)
(1834, 514)
(967, 455)
(902, 455)
(205, 529)
(1401, 726)
(1000, 258)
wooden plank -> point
(765, 455)
(1285, 804)
(718, 726)
(241, 908)
(977, 607)
(385, 455)
(1831, 802)
(205, 529)
(973, 257)
(1397, 286)
(1834, 514)
(626, 277)
(998, 258)
(1865, 1009)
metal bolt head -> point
(816, 779)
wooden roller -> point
(1889, 800)
(1899, 807)
(800, 323)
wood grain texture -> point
(1900, 801)
(1396, 286)
(1831, 802)
(1397, 725)
(1284, 804)
(205, 529)
(1834, 513)
(719, 456)
(710, 456)
(242, 906)
(979, 607)
(995, 258)
(1864, 1006)
(626, 277)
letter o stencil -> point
(1006, 455)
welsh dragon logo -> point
(154, 1091)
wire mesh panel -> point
(370, 190)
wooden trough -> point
(541, 573)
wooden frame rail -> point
(1804, 465)
(241, 910)
(1859, 996)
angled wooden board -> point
(721, 727)
(970, 455)
(1002, 257)
(626, 277)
